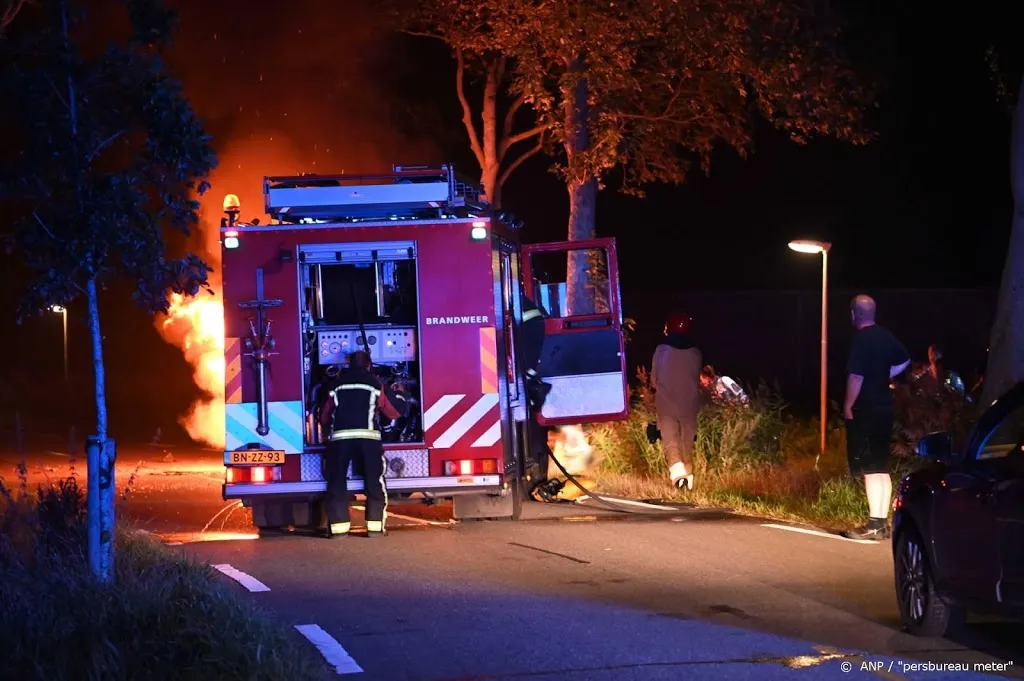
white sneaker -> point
(678, 473)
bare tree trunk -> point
(1006, 344)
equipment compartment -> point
(360, 296)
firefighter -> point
(531, 331)
(675, 377)
(351, 413)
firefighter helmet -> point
(678, 323)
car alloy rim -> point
(913, 588)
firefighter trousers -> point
(370, 453)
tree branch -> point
(533, 151)
(510, 116)
(56, 91)
(467, 112)
(42, 224)
(10, 12)
(102, 145)
(507, 142)
(424, 34)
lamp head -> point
(808, 246)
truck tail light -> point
(230, 239)
(478, 231)
(471, 467)
(236, 474)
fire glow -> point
(197, 327)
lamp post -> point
(63, 312)
(822, 247)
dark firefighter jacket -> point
(351, 407)
(531, 310)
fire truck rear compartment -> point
(365, 300)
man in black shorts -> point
(876, 357)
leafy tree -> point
(103, 152)
(498, 142)
(645, 89)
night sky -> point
(314, 86)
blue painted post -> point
(101, 457)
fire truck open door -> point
(584, 357)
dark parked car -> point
(958, 528)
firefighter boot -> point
(537, 390)
(338, 530)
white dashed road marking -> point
(248, 581)
(818, 533)
(332, 651)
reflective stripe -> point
(531, 314)
(355, 434)
(340, 528)
(384, 488)
(358, 386)
(370, 433)
(374, 525)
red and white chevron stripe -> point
(480, 417)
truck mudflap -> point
(440, 486)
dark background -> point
(311, 86)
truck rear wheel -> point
(272, 517)
(490, 506)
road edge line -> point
(330, 649)
(248, 581)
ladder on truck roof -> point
(407, 193)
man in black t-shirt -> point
(876, 357)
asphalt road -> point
(574, 593)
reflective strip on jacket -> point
(352, 407)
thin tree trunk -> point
(1006, 344)
(101, 458)
(97, 359)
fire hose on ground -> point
(618, 505)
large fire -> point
(196, 325)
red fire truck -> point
(415, 267)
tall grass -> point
(164, 617)
(758, 458)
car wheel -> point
(922, 611)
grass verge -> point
(757, 459)
(164, 617)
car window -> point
(1007, 435)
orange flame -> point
(196, 325)
(570, 448)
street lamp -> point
(813, 248)
(63, 312)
